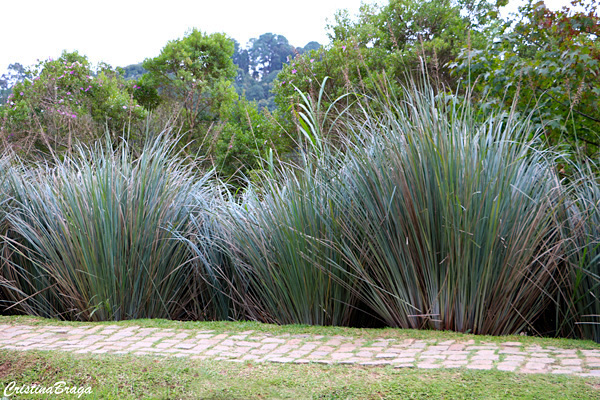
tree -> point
(133, 71)
(16, 73)
(268, 53)
(397, 39)
(247, 137)
(241, 58)
(403, 34)
(549, 60)
(63, 101)
(309, 46)
(259, 66)
(195, 73)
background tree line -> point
(232, 106)
(209, 90)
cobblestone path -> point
(260, 347)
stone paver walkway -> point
(259, 346)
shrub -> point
(64, 103)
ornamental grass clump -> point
(217, 286)
(284, 241)
(92, 238)
(284, 235)
(583, 244)
(5, 193)
(453, 226)
(5, 197)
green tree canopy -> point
(133, 71)
(309, 46)
(63, 101)
(398, 39)
(241, 58)
(259, 65)
(196, 72)
(16, 73)
(268, 53)
(397, 36)
(549, 60)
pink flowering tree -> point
(62, 102)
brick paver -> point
(261, 347)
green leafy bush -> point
(544, 63)
(63, 103)
(248, 136)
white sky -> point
(128, 31)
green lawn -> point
(130, 377)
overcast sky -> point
(126, 32)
